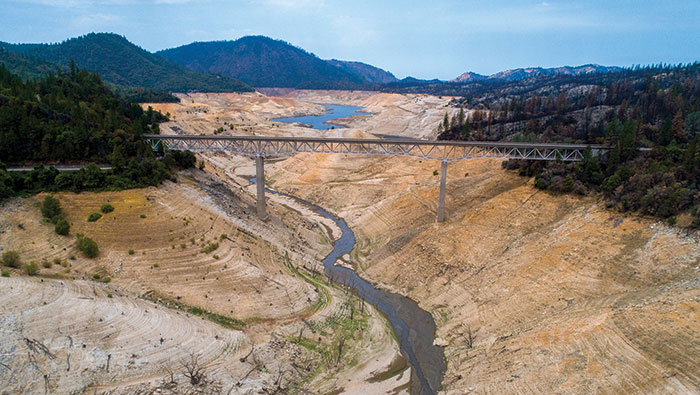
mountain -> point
(469, 77)
(371, 74)
(120, 62)
(524, 73)
(263, 62)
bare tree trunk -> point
(340, 350)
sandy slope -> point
(82, 328)
(248, 278)
(559, 294)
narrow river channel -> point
(414, 327)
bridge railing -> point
(445, 151)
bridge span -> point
(443, 151)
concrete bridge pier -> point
(260, 184)
(441, 201)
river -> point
(414, 326)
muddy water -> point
(415, 327)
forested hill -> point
(263, 62)
(72, 117)
(118, 61)
(27, 67)
(654, 107)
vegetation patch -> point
(107, 208)
(11, 259)
(31, 268)
(210, 247)
(94, 217)
(62, 227)
(87, 246)
(227, 322)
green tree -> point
(51, 208)
(62, 227)
(87, 246)
(692, 125)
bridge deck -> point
(445, 151)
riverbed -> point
(414, 326)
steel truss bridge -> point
(443, 151)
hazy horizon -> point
(407, 38)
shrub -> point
(107, 208)
(131, 252)
(216, 257)
(46, 264)
(11, 259)
(155, 265)
(142, 215)
(211, 247)
(5, 273)
(435, 172)
(31, 269)
(223, 236)
(51, 207)
(94, 217)
(96, 276)
(62, 227)
(87, 246)
(57, 261)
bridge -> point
(443, 151)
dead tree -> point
(193, 370)
(340, 350)
(470, 337)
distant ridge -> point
(120, 62)
(371, 74)
(524, 73)
(264, 62)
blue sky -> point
(424, 39)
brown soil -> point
(247, 280)
(531, 292)
(558, 293)
(558, 298)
